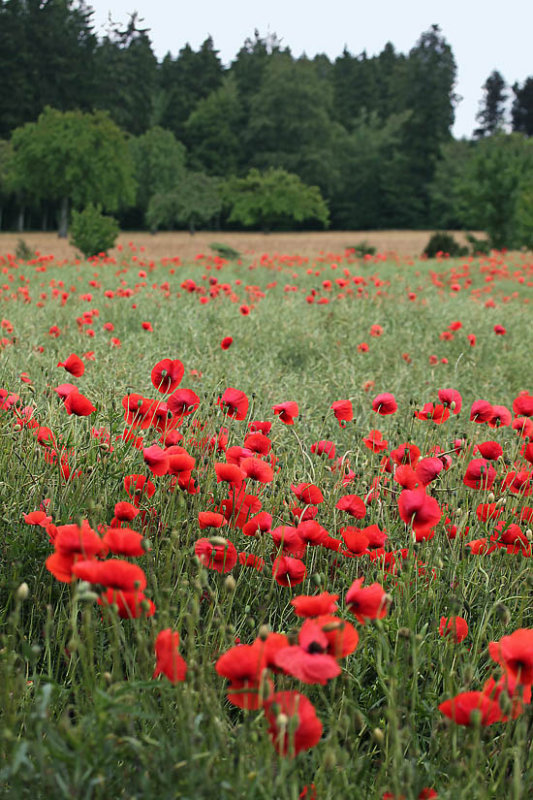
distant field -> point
(404, 243)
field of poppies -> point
(266, 527)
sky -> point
(483, 34)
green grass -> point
(82, 716)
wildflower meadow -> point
(266, 526)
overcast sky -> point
(484, 34)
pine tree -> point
(491, 115)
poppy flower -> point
(258, 426)
(455, 628)
(183, 402)
(76, 403)
(287, 412)
(369, 602)
(375, 442)
(480, 474)
(436, 413)
(353, 505)
(234, 403)
(343, 411)
(289, 540)
(288, 571)
(427, 469)
(517, 693)
(124, 542)
(308, 660)
(324, 447)
(499, 330)
(311, 532)
(314, 605)
(384, 404)
(419, 510)
(515, 654)
(210, 519)
(156, 459)
(179, 460)
(261, 523)
(255, 469)
(168, 660)
(239, 506)
(113, 573)
(461, 708)
(258, 443)
(229, 473)
(293, 725)
(216, 553)
(308, 493)
(520, 482)
(501, 417)
(167, 375)
(130, 605)
(452, 399)
(74, 365)
(490, 450)
(523, 405)
(138, 485)
(37, 518)
(481, 411)
(147, 326)
(226, 342)
(79, 539)
(243, 666)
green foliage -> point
(362, 249)
(478, 246)
(225, 251)
(522, 109)
(497, 177)
(93, 232)
(273, 198)
(74, 158)
(23, 251)
(159, 164)
(491, 115)
(194, 201)
(444, 243)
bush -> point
(93, 232)
(225, 251)
(442, 242)
(362, 249)
(23, 251)
(479, 246)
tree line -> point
(356, 142)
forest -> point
(269, 141)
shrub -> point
(442, 242)
(478, 246)
(23, 251)
(362, 249)
(225, 251)
(93, 232)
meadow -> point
(265, 525)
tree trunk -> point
(44, 219)
(63, 219)
(191, 226)
(20, 220)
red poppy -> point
(289, 540)
(501, 417)
(452, 399)
(499, 330)
(455, 628)
(216, 553)
(288, 571)
(480, 474)
(124, 542)
(168, 660)
(74, 365)
(308, 660)
(515, 654)
(229, 473)
(113, 573)
(375, 442)
(437, 413)
(255, 469)
(406, 454)
(523, 405)
(517, 693)
(226, 342)
(287, 412)
(343, 411)
(293, 724)
(261, 523)
(428, 469)
(461, 708)
(353, 505)
(130, 605)
(243, 666)
(136, 486)
(324, 447)
(419, 510)
(490, 450)
(481, 411)
(156, 459)
(258, 443)
(308, 493)
(76, 403)
(210, 519)
(78, 539)
(234, 403)
(384, 404)
(314, 605)
(179, 460)
(183, 402)
(369, 602)
(167, 375)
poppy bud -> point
(378, 736)
(23, 591)
(264, 631)
(330, 759)
(230, 583)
